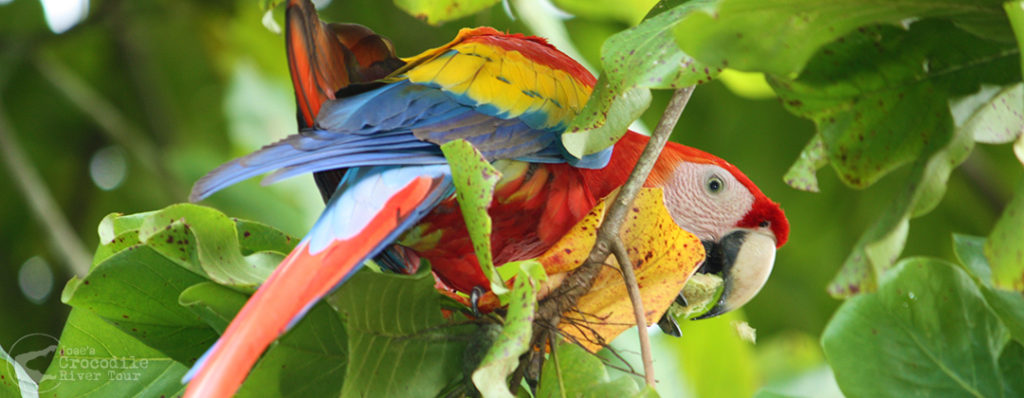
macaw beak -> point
(743, 258)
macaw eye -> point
(764, 224)
(715, 184)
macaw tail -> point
(373, 206)
(324, 58)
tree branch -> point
(39, 199)
(577, 284)
(117, 127)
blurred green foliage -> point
(181, 86)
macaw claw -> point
(474, 300)
(669, 326)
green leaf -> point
(216, 244)
(1015, 13)
(474, 179)
(802, 175)
(1011, 362)
(573, 372)
(214, 304)
(633, 61)
(787, 356)
(98, 360)
(629, 12)
(149, 279)
(866, 93)
(936, 149)
(232, 252)
(399, 342)
(1004, 248)
(14, 379)
(308, 361)
(137, 290)
(569, 370)
(115, 224)
(117, 232)
(605, 118)
(998, 118)
(1018, 148)
(793, 365)
(926, 329)
(255, 237)
(514, 340)
(118, 243)
(1008, 306)
(780, 36)
(710, 345)
(969, 251)
(437, 12)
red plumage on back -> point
(544, 53)
(539, 207)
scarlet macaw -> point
(371, 126)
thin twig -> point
(638, 309)
(137, 57)
(39, 199)
(116, 126)
(580, 281)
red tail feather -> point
(301, 279)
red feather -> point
(530, 216)
(302, 278)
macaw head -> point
(739, 226)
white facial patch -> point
(698, 208)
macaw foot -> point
(474, 300)
(669, 325)
(681, 300)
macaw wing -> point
(324, 58)
(507, 76)
(509, 95)
(372, 206)
(396, 124)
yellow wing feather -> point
(481, 74)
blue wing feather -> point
(397, 124)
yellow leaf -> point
(664, 257)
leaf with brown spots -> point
(881, 99)
(780, 36)
(664, 256)
(634, 61)
(880, 96)
(474, 178)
